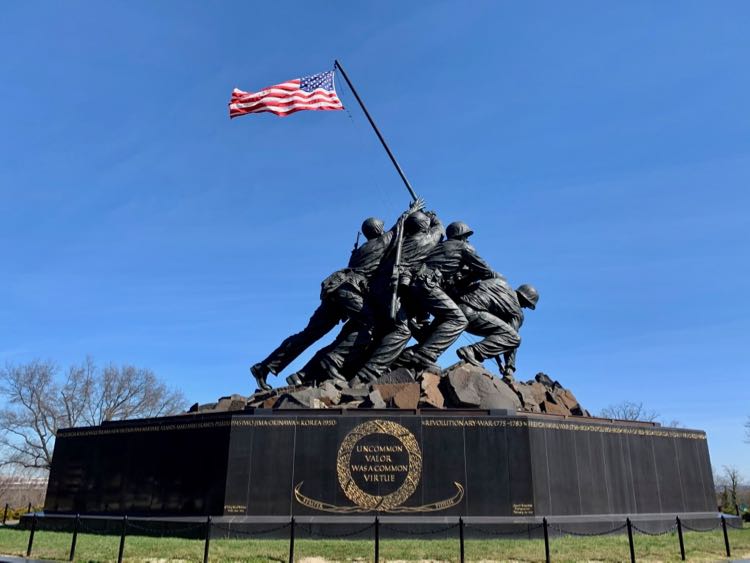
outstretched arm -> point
(437, 231)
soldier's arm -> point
(478, 267)
(437, 231)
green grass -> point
(699, 547)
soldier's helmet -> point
(458, 229)
(529, 293)
(416, 222)
(372, 227)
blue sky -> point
(600, 150)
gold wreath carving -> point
(430, 507)
(343, 465)
(365, 502)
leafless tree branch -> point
(628, 410)
(38, 405)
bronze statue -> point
(422, 233)
(440, 271)
(494, 310)
(406, 283)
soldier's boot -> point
(405, 359)
(357, 382)
(294, 379)
(411, 358)
(260, 373)
(367, 375)
(468, 355)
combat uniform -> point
(396, 333)
(439, 271)
(493, 311)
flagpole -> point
(337, 65)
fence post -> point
(291, 540)
(75, 538)
(29, 509)
(545, 525)
(461, 536)
(377, 539)
(737, 508)
(726, 537)
(682, 541)
(5, 513)
(208, 539)
(630, 541)
(122, 539)
(31, 536)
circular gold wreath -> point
(343, 465)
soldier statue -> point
(452, 259)
(495, 311)
(422, 233)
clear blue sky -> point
(600, 150)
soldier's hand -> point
(417, 205)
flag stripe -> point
(286, 110)
(272, 90)
(282, 113)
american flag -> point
(316, 92)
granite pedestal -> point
(329, 467)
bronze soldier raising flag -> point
(402, 283)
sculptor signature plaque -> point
(379, 466)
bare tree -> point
(628, 410)
(732, 479)
(38, 405)
(28, 423)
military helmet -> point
(458, 229)
(529, 293)
(416, 222)
(372, 227)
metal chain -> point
(89, 530)
(254, 532)
(166, 532)
(669, 530)
(588, 534)
(346, 535)
(718, 525)
(408, 533)
(498, 533)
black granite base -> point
(354, 465)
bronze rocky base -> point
(462, 386)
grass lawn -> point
(699, 547)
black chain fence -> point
(579, 533)
(207, 529)
(249, 533)
(418, 532)
(319, 534)
(670, 530)
(503, 533)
